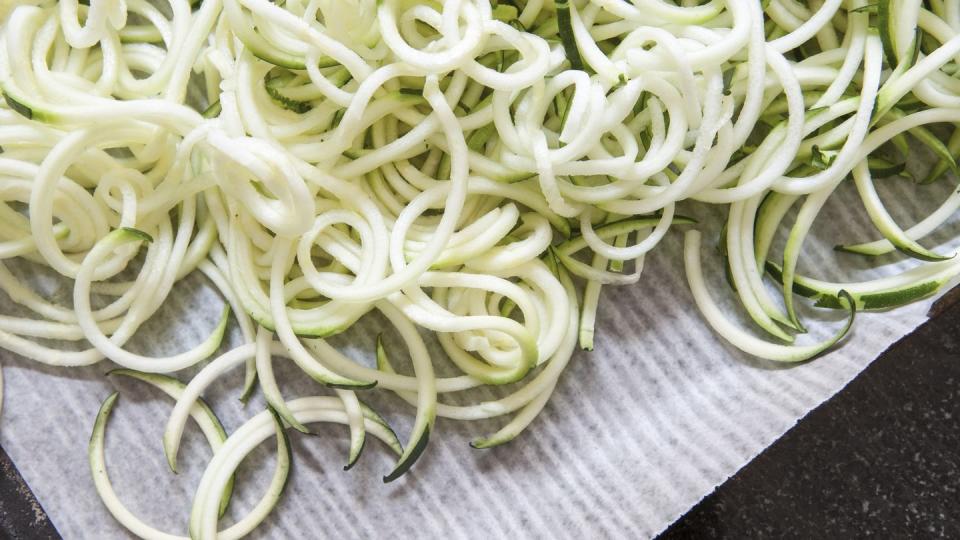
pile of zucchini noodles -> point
(456, 166)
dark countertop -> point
(21, 516)
(881, 459)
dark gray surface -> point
(880, 459)
(21, 516)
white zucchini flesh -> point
(460, 168)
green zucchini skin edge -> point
(877, 301)
(415, 454)
(405, 463)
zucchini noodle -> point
(475, 169)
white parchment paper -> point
(637, 432)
